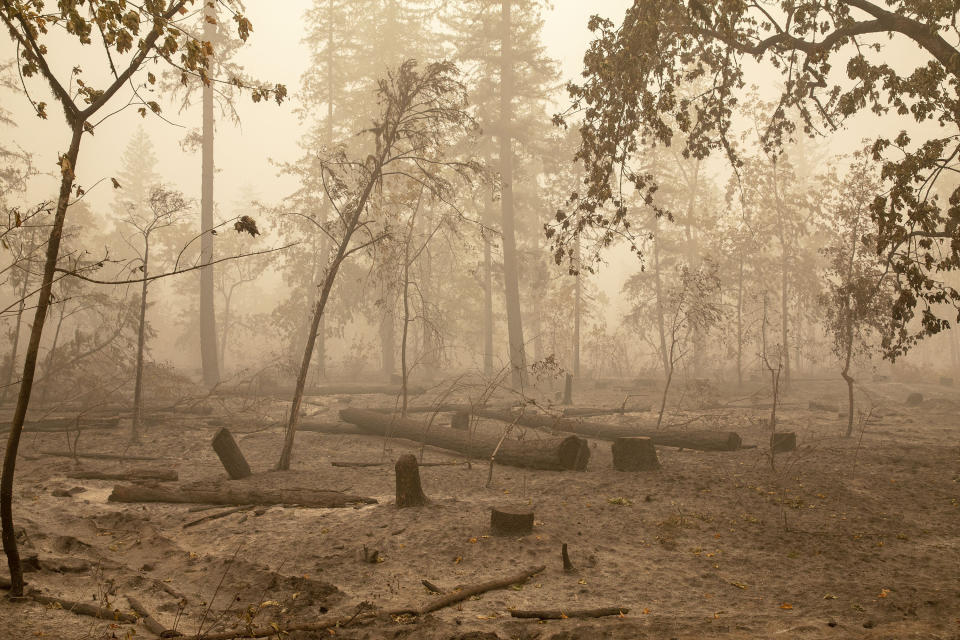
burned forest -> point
(480, 319)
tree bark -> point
(553, 454)
(634, 454)
(230, 455)
(236, 496)
(208, 321)
(409, 490)
(511, 280)
(9, 536)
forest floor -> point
(842, 538)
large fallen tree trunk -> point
(236, 496)
(131, 475)
(699, 440)
(554, 454)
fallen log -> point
(699, 440)
(468, 591)
(554, 454)
(84, 609)
(133, 475)
(236, 496)
(99, 456)
(560, 614)
(360, 389)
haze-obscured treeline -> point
(768, 265)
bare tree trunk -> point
(518, 360)
(51, 354)
(740, 323)
(225, 325)
(141, 341)
(487, 297)
(406, 321)
(658, 290)
(208, 321)
(577, 311)
(388, 332)
(784, 290)
(9, 535)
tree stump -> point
(783, 441)
(946, 381)
(568, 389)
(230, 455)
(409, 491)
(914, 399)
(460, 421)
(511, 522)
(634, 454)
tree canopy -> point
(830, 65)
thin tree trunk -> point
(577, 311)
(388, 332)
(658, 290)
(518, 363)
(225, 325)
(48, 365)
(208, 322)
(487, 297)
(406, 321)
(9, 535)
(784, 283)
(141, 341)
(740, 323)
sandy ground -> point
(843, 538)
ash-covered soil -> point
(843, 538)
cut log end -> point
(783, 441)
(409, 491)
(634, 454)
(511, 522)
(574, 453)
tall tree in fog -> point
(858, 294)
(421, 113)
(130, 35)
(499, 44)
(348, 56)
(208, 320)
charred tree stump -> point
(409, 491)
(914, 399)
(567, 565)
(230, 455)
(783, 441)
(634, 454)
(460, 421)
(568, 389)
(511, 522)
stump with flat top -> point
(511, 521)
(230, 455)
(634, 454)
(914, 399)
(409, 491)
(783, 441)
(460, 421)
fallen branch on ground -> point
(560, 614)
(215, 516)
(467, 591)
(149, 621)
(83, 609)
(236, 496)
(98, 456)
